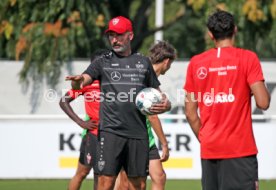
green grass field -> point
(88, 185)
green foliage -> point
(46, 35)
(188, 34)
(50, 34)
(255, 20)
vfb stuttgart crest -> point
(101, 165)
(115, 21)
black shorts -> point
(115, 152)
(153, 153)
(225, 174)
(88, 150)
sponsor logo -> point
(221, 97)
(114, 64)
(224, 98)
(201, 73)
(208, 99)
(223, 70)
(115, 76)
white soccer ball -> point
(146, 98)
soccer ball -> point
(146, 98)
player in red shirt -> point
(90, 124)
(91, 95)
(220, 83)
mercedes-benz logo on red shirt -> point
(201, 73)
(115, 76)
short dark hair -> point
(160, 51)
(221, 25)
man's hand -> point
(165, 153)
(77, 81)
(162, 107)
(90, 125)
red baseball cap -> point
(119, 25)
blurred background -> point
(41, 42)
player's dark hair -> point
(160, 51)
(221, 25)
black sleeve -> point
(94, 69)
(152, 80)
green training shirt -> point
(151, 136)
(86, 118)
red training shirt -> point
(221, 79)
(91, 95)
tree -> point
(46, 34)
(255, 19)
(49, 34)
